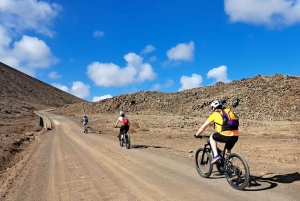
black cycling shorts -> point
(228, 140)
(124, 128)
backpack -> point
(124, 121)
(86, 120)
(228, 122)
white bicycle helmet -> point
(122, 113)
(84, 115)
(216, 103)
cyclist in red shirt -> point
(124, 123)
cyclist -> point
(84, 121)
(226, 129)
(124, 123)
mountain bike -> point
(124, 138)
(233, 166)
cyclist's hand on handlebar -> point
(197, 136)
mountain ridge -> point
(274, 97)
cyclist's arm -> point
(117, 123)
(203, 127)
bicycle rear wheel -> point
(237, 171)
(127, 142)
(203, 163)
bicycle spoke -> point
(203, 163)
(237, 171)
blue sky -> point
(97, 49)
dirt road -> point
(67, 164)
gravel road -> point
(67, 164)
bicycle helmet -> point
(216, 103)
(122, 113)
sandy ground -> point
(65, 164)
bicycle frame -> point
(221, 164)
(238, 176)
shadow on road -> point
(265, 183)
(144, 146)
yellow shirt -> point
(216, 117)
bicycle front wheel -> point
(237, 171)
(121, 140)
(203, 163)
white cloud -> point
(168, 84)
(27, 55)
(61, 87)
(5, 40)
(54, 75)
(78, 89)
(190, 82)
(219, 74)
(98, 98)
(268, 12)
(148, 49)
(98, 34)
(152, 59)
(156, 87)
(28, 14)
(109, 74)
(182, 52)
(34, 52)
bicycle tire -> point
(237, 171)
(127, 142)
(121, 141)
(205, 164)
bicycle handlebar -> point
(202, 136)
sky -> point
(97, 49)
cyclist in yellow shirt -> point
(226, 126)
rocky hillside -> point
(22, 94)
(260, 98)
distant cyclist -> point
(226, 124)
(84, 121)
(124, 123)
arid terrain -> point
(268, 108)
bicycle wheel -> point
(127, 142)
(121, 140)
(203, 163)
(237, 171)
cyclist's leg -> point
(126, 128)
(230, 144)
(213, 143)
(122, 129)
